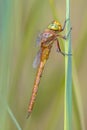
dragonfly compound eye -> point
(56, 26)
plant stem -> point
(68, 75)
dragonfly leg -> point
(59, 49)
(65, 37)
(64, 25)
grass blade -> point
(13, 118)
(53, 9)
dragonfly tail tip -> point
(28, 115)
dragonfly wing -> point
(37, 59)
(39, 38)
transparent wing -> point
(37, 59)
(38, 40)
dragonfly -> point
(45, 41)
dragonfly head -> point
(55, 26)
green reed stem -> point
(68, 76)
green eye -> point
(53, 26)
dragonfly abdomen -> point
(44, 57)
(35, 87)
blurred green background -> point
(20, 23)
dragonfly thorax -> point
(55, 26)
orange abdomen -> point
(44, 57)
(35, 87)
